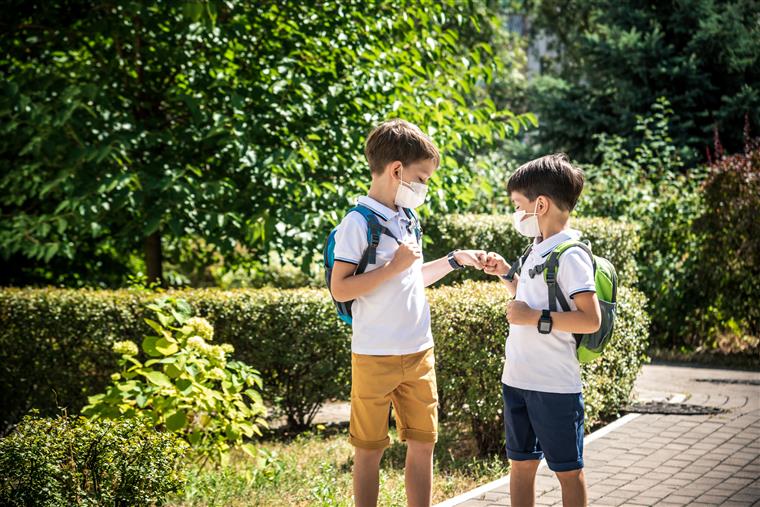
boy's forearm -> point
(355, 286)
(511, 286)
(435, 270)
(570, 322)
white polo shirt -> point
(547, 362)
(394, 318)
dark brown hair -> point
(553, 176)
(398, 140)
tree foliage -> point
(129, 127)
(608, 61)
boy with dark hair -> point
(392, 346)
(541, 381)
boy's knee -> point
(368, 454)
(570, 475)
(419, 447)
(527, 465)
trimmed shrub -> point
(617, 241)
(74, 461)
(295, 340)
(470, 327)
(55, 344)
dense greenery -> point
(74, 461)
(57, 344)
(135, 133)
(56, 347)
(608, 60)
(470, 355)
(614, 240)
(188, 386)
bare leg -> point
(419, 473)
(522, 482)
(366, 476)
(573, 488)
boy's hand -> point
(474, 258)
(520, 314)
(496, 265)
(406, 255)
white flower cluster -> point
(125, 348)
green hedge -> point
(615, 240)
(55, 348)
(470, 327)
(75, 461)
(55, 344)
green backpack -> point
(591, 345)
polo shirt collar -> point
(546, 246)
(378, 207)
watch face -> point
(544, 326)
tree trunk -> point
(154, 258)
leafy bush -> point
(75, 461)
(616, 241)
(470, 327)
(642, 181)
(56, 344)
(294, 338)
(728, 268)
(698, 263)
(188, 386)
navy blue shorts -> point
(539, 424)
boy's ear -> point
(395, 169)
(542, 204)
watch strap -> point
(452, 260)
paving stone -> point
(677, 460)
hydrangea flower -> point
(197, 343)
(228, 348)
(125, 348)
(201, 327)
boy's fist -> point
(519, 313)
(495, 264)
(473, 258)
(406, 255)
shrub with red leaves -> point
(730, 229)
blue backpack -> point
(375, 230)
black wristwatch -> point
(452, 260)
(545, 322)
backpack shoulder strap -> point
(374, 231)
(516, 267)
(415, 223)
(551, 270)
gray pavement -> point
(666, 459)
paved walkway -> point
(656, 459)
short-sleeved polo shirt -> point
(547, 362)
(394, 318)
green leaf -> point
(176, 421)
(158, 328)
(158, 378)
(166, 347)
(249, 449)
(149, 346)
(184, 385)
(173, 372)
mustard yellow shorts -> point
(407, 381)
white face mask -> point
(528, 227)
(410, 195)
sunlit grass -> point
(314, 469)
